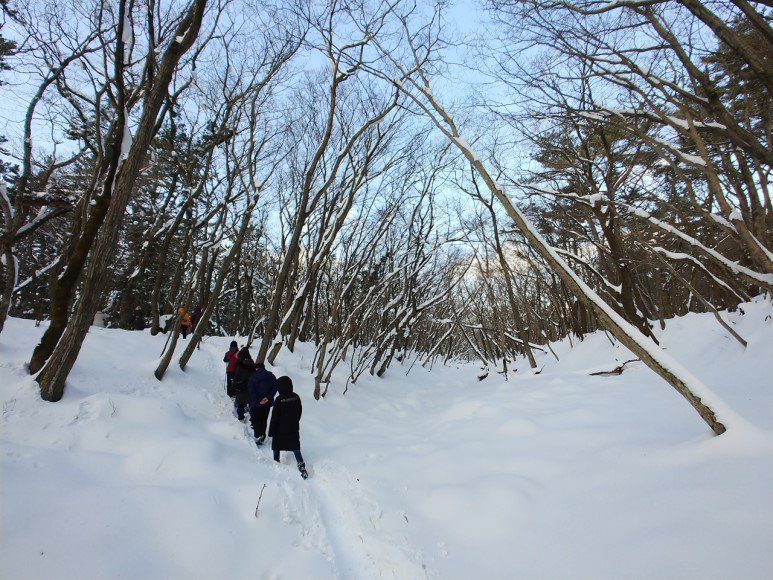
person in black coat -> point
(243, 369)
(261, 390)
(137, 321)
(285, 423)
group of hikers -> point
(255, 390)
(188, 320)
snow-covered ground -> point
(430, 475)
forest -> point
(389, 181)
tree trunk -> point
(168, 353)
(517, 318)
(54, 375)
(155, 325)
(63, 287)
(9, 282)
(653, 356)
(128, 297)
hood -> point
(284, 385)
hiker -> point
(261, 390)
(137, 321)
(230, 358)
(185, 322)
(285, 423)
(243, 368)
(195, 317)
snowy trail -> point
(361, 548)
(319, 505)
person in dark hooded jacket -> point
(195, 317)
(284, 429)
(261, 389)
(137, 321)
(243, 368)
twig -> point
(615, 371)
(257, 507)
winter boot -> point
(302, 469)
(259, 440)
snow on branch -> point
(765, 280)
(680, 256)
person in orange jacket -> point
(185, 322)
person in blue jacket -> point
(261, 389)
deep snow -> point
(434, 474)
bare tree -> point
(130, 159)
(321, 169)
(408, 73)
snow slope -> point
(430, 475)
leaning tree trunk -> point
(54, 375)
(166, 356)
(419, 92)
(652, 355)
(163, 253)
(63, 287)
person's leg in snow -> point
(258, 417)
(229, 385)
(285, 422)
(260, 422)
(298, 458)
